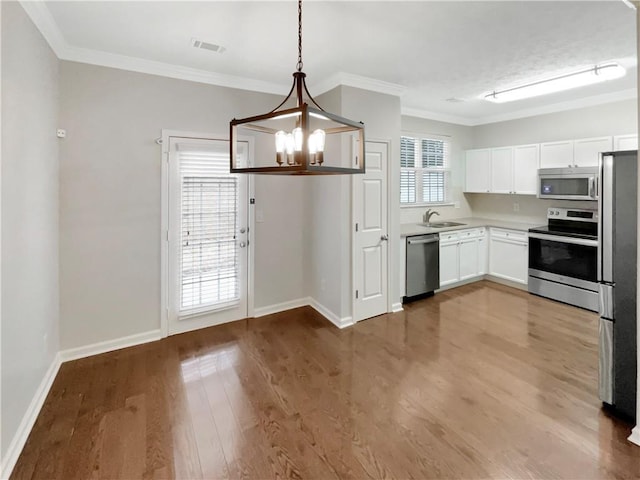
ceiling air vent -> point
(454, 100)
(207, 46)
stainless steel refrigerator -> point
(617, 236)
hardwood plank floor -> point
(482, 381)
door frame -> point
(164, 222)
(354, 276)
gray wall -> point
(110, 198)
(330, 202)
(608, 119)
(29, 215)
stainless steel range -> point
(563, 257)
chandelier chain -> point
(299, 65)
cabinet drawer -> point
(470, 233)
(513, 235)
(449, 237)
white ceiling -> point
(425, 51)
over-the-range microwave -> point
(577, 183)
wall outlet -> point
(516, 207)
(60, 133)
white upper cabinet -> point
(478, 170)
(502, 170)
(526, 159)
(586, 151)
(556, 154)
(625, 142)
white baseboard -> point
(329, 315)
(508, 283)
(635, 435)
(110, 345)
(280, 307)
(397, 307)
(29, 419)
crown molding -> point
(357, 81)
(44, 21)
(592, 101)
(439, 117)
(134, 64)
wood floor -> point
(478, 382)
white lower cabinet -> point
(462, 255)
(449, 259)
(508, 255)
(482, 254)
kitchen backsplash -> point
(501, 207)
(530, 209)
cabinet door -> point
(502, 170)
(586, 151)
(468, 252)
(482, 255)
(448, 263)
(556, 154)
(508, 260)
(525, 169)
(625, 142)
(478, 170)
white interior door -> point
(207, 235)
(371, 240)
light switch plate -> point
(259, 216)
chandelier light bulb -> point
(320, 139)
(281, 141)
(297, 139)
(290, 144)
(313, 144)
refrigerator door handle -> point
(605, 361)
(606, 301)
(605, 220)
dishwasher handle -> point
(426, 240)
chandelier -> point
(297, 137)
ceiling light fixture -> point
(597, 74)
(299, 139)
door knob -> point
(243, 244)
(242, 230)
(384, 238)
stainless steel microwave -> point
(578, 183)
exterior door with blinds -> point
(208, 236)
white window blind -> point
(209, 264)
(424, 169)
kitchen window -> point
(424, 169)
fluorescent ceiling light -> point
(599, 73)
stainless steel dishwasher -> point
(423, 264)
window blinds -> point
(424, 166)
(209, 264)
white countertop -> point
(408, 229)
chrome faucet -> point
(428, 214)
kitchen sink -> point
(442, 224)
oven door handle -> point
(573, 241)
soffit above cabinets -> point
(425, 52)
